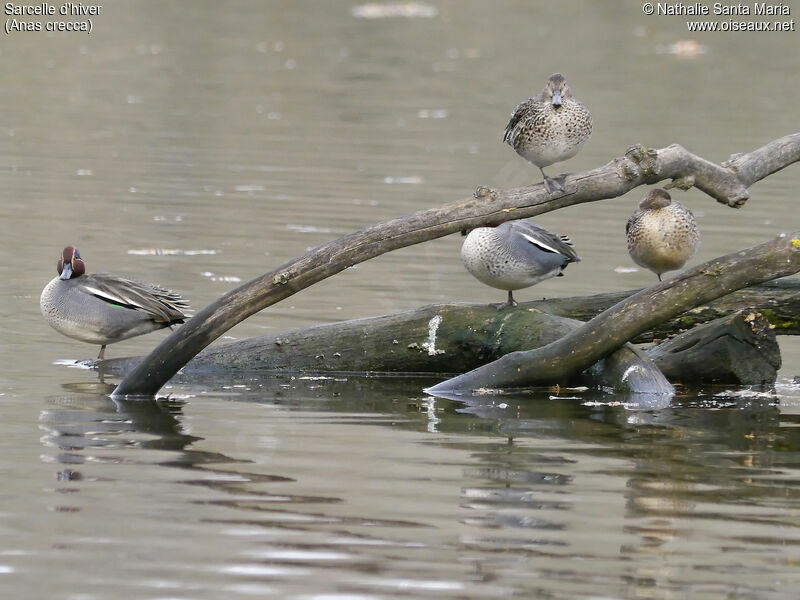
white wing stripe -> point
(540, 244)
(112, 297)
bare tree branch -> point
(778, 301)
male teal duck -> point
(515, 255)
(662, 235)
(550, 127)
(102, 308)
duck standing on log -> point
(662, 235)
(515, 255)
(550, 127)
(102, 308)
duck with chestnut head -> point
(102, 309)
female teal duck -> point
(662, 234)
(102, 308)
(549, 127)
(515, 255)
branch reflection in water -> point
(362, 481)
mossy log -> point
(740, 349)
(454, 338)
(778, 301)
(436, 339)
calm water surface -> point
(200, 144)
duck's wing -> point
(630, 222)
(519, 112)
(163, 305)
(546, 241)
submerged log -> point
(630, 371)
(740, 349)
(437, 339)
(727, 183)
(453, 338)
(614, 327)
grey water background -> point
(200, 144)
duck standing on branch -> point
(515, 255)
(549, 128)
(102, 308)
(662, 234)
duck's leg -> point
(552, 184)
(510, 304)
(102, 354)
(511, 301)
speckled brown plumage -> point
(549, 127)
(662, 234)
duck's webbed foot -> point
(554, 184)
(510, 303)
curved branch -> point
(727, 183)
(777, 300)
(614, 327)
(637, 167)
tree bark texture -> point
(436, 339)
(454, 338)
(739, 349)
(778, 301)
